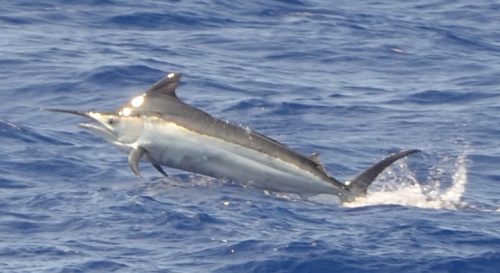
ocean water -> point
(352, 80)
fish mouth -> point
(98, 130)
(97, 125)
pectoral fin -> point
(159, 168)
(133, 159)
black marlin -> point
(160, 128)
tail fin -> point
(359, 185)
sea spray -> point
(401, 187)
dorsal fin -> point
(314, 157)
(158, 98)
(165, 86)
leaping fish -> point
(159, 127)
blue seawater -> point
(352, 80)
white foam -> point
(400, 187)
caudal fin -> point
(359, 185)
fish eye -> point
(111, 121)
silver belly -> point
(177, 147)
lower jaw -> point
(99, 130)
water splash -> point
(401, 187)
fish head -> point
(113, 127)
(125, 125)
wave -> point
(166, 20)
(439, 97)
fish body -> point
(159, 127)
